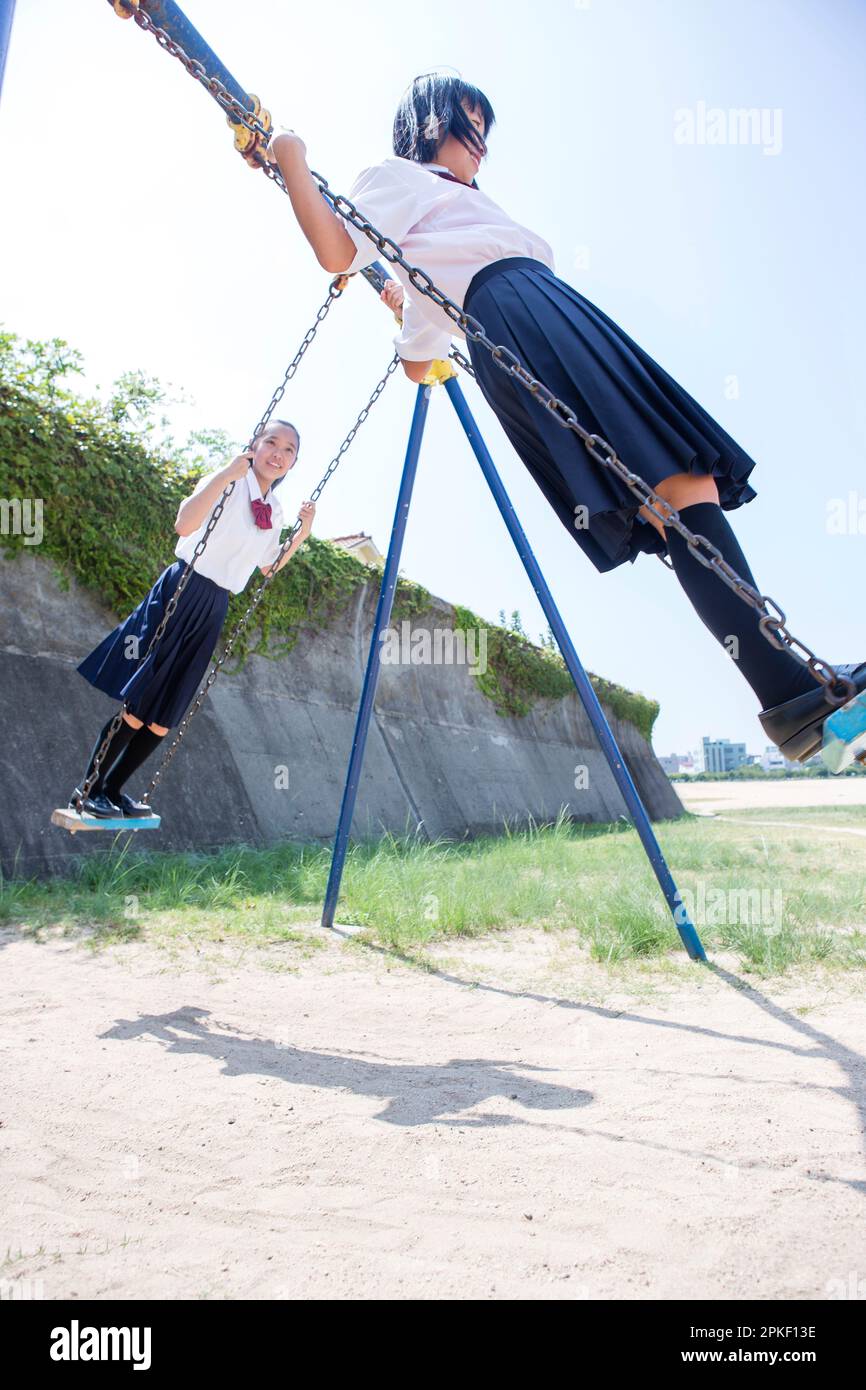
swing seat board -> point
(68, 819)
(845, 735)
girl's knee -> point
(132, 721)
(684, 489)
(158, 729)
(653, 521)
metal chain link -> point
(335, 291)
(772, 623)
(259, 592)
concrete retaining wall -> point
(438, 752)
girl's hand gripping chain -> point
(290, 142)
(239, 467)
(307, 515)
(392, 295)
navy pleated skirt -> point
(160, 689)
(615, 389)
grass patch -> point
(773, 900)
(831, 816)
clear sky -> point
(132, 229)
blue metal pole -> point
(172, 19)
(371, 676)
(7, 13)
(603, 731)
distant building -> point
(362, 546)
(773, 760)
(672, 763)
(720, 755)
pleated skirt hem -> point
(159, 689)
(615, 389)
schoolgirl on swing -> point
(157, 687)
(425, 197)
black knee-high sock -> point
(136, 752)
(775, 676)
(113, 751)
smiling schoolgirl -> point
(158, 689)
(426, 198)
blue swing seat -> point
(71, 820)
(845, 735)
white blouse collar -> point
(443, 168)
(254, 487)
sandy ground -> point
(513, 1123)
(710, 797)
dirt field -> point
(509, 1124)
(710, 797)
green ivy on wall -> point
(112, 478)
(110, 498)
(519, 673)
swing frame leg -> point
(7, 14)
(603, 731)
(371, 675)
(597, 717)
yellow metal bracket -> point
(124, 9)
(441, 370)
(251, 143)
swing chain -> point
(101, 752)
(334, 292)
(462, 361)
(259, 592)
(773, 624)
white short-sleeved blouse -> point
(237, 545)
(445, 227)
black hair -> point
(289, 426)
(431, 109)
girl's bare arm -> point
(334, 248)
(193, 512)
(324, 230)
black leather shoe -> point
(796, 727)
(99, 805)
(134, 810)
